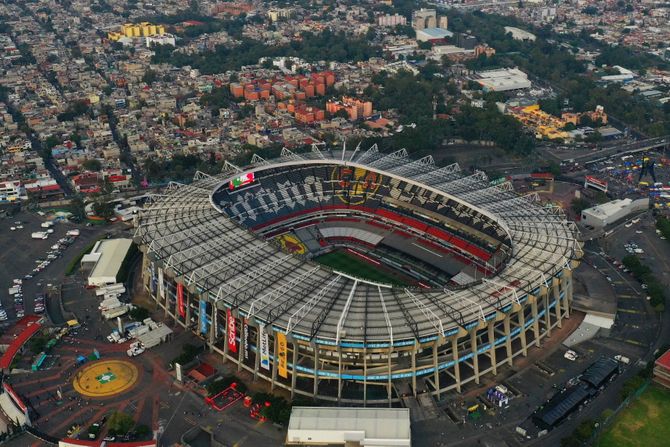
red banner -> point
(15, 397)
(180, 299)
(232, 343)
(596, 181)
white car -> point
(570, 355)
(12, 228)
(19, 227)
(622, 359)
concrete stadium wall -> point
(375, 374)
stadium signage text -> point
(265, 348)
(232, 345)
(203, 317)
(282, 353)
(245, 338)
(180, 299)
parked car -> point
(570, 355)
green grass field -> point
(351, 264)
(643, 423)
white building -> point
(447, 50)
(602, 215)
(106, 257)
(11, 191)
(165, 39)
(391, 20)
(519, 34)
(401, 50)
(427, 34)
(502, 80)
(353, 427)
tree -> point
(342, 113)
(149, 77)
(77, 208)
(52, 141)
(92, 164)
(120, 423)
(103, 209)
(139, 313)
(579, 205)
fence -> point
(605, 424)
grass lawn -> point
(643, 423)
(351, 264)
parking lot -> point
(21, 252)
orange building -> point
(307, 115)
(355, 108)
(570, 117)
(237, 90)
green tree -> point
(120, 423)
(103, 208)
(579, 204)
(139, 313)
(77, 208)
(92, 164)
(149, 77)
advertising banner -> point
(232, 343)
(282, 352)
(245, 339)
(161, 285)
(204, 326)
(15, 397)
(180, 299)
(264, 348)
(152, 283)
(596, 181)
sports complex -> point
(358, 276)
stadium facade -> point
(229, 257)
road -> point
(595, 155)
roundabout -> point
(105, 378)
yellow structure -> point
(544, 124)
(132, 30)
(105, 378)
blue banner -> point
(204, 324)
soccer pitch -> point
(353, 265)
(643, 423)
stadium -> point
(357, 276)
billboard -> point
(282, 352)
(242, 180)
(595, 182)
(245, 339)
(232, 343)
(264, 348)
(204, 324)
(180, 299)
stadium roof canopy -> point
(186, 233)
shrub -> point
(216, 386)
(120, 423)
